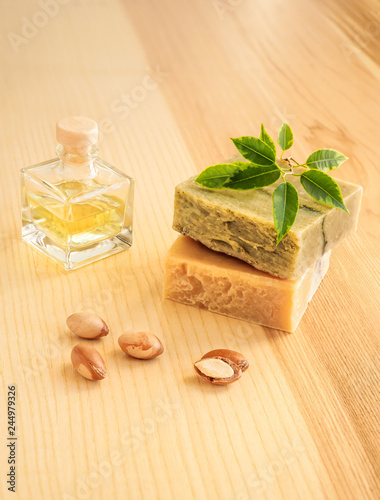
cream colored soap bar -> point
(198, 276)
(240, 223)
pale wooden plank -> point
(303, 422)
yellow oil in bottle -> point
(75, 225)
(76, 207)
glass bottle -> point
(76, 208)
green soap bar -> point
(240, 223)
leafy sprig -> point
(264, 168)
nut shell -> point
(88, 362)
(237, 373)
(234, 356)
(87, 325)
(141, 344)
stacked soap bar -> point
(240, 223)
(198, 276)
(263, 283)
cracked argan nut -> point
(88, 362)
(233, 356)
(87, 325)
(218, 370)
(140, 344)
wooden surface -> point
(303, 422)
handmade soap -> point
(198, 276)
(240, 223)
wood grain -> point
(169, 83)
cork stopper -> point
(77, 134)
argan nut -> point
(87, 325)
(218, 370)
(88, 362)
(140, 344)
(234, 356)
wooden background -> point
(169, 82)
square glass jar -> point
(76, 209)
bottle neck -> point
(77, 167)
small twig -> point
(290, 165)
(291, 158)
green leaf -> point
(254, 177)
(265, 137)
(325, 159)
(323, 188)
(285, 137)
(285, 208)
(255, 150)
(216, 176)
